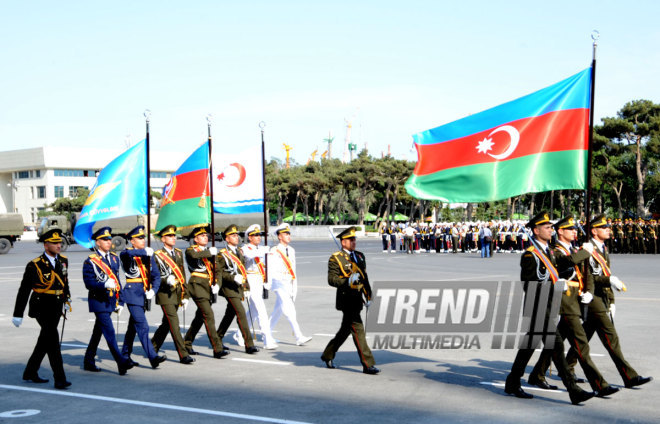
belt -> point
(200, 275)
(134, 280)
(573, 283)
(55, 292)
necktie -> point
(353, 258)
(173, 255)
(287, 252)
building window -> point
(155, 174)
(73, 190)
(41, 192)
(59, 191)
(37, 173)
(69, 173)
(23, 174)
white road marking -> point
(261, 361)
(324, 335)
(490, 383)
(73, 345)
(153, 405)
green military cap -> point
(599, 221)
(541, 218)
(202, 229)
(169, 230)
(231, 229)
(347, 233)
(51, 236)
(566, 223)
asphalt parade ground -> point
(291, 384)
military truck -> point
(11, 230)
(120, 227)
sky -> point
(81, 73)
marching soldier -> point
(45, 283)
(256, 276)
(347, 271)
(204, 290)
(629, 236)
(230, 269)
(538, 264)
(651, 237)
(283, 278)
(570, 327)
(172, 293)
(101, 276)
(602, 309)
(142, 281)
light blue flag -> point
(120, 190)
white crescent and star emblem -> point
(487, 143)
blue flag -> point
(120, 190)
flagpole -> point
(587, 203)
(214, 298)
(147, 116)
(262, 125)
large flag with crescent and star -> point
(238, 185)
(185, 202)
(536, 143)
(120, 190)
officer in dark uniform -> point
(142, 283)
(601, 310)
(203, 289)
(569, 260)
(101, 277)
(347, 271)
(538, 264)
(172, 293)
(45, 283)
(230, 269)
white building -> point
(30, 179)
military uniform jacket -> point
(227, 269)
(99, 298)
(533, 269)
(199, 283)
(570, 301)
(603, 294)
(171, 295)
(47, 288)
(134, 289)
(340, 268)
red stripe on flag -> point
(552, 132)
(189, 185)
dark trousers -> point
(103, 326)
(523, 357)
(351, 324)
(138, 324)
(170, 324)
(48, 343)
(600, 322)
(571, 329)
(235, 309)
(204, 315)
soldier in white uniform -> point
(255, 264)
(282, 275)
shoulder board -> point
(114, 254)
(337, 253)
(63, 257)
(36, 260)
(223, 250)
(529, 249)
(177, 250)
(93, 256)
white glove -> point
(368, 304)
(564, 282)
(213, 251)
(118, 309)
(612, 309)
(616, 283)
(110, 285)
(215, 289)
(247, 294)
(171, 280)
(588, 247)
(238, 278)
(149, 250)
(586, 298)
(353, 278)
(150, 294)
(184, 304)
(267, 286)
(17, 321)
(293, 296)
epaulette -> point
(529, 249)
(36, 260)
(339, 252)
(177, 250)
(63, 257)
(93, 256)
(114, 254)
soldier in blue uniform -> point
(142, 283)
(101, 277)
(46, 284)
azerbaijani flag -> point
(535, 143)
(185, 201)
(120, 190)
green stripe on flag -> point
(500, 180)
(185, 213)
